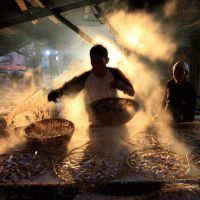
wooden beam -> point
(21, 4)
(42, 12)
(69, 24)
(22, 53)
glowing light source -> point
(48, 52)
(113, 53)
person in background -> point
(179, 98)
(99, 82)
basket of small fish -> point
(188, 135)
(158, 163)
(49, 131)
(194, 157)
(114, 111)
(82, 166)
(21, 166)
(148, 139)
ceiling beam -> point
(69, 24)
(22, 18)
(22, 53)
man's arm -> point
(121, 82)
(123, 87)
(75, 85)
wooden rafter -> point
(42, 12)
(10, 31)
(21, 4)
(35, 3)
(23, 7)
(69, 24)
(23, 53)
(52, 18)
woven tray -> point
(82, 167)
(148, 140)
(194, 157)
(158, 163)
(19, 166)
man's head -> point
(181, 71)
(99, 59)
(99, 50)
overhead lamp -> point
(48, 52)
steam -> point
(143, 34)
(75, 68)
(148, 45)
(15, 139)
(144, 53)
(184, 9)
(148, 42)
(14, 92)
(74, 109)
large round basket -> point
(49, 131)
(158, 163)
(83, 166)
(114, 111)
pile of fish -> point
(194, 157)
(158, 163)
(85, 167)
(189, 136)
(18, 166)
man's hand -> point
(119, 85)
(53, 95)
(123, 87)
(114, 84)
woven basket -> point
(114, 111)
(56, 130)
